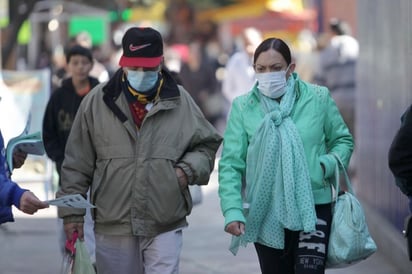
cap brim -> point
(144, 62)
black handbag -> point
(408, 235)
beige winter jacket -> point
(131, 172)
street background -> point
(35, 33)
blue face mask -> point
(142, 81)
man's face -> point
(79, 67)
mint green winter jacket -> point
(320, 125)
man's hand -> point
(18, 158)
(70, 228)
(29, 203)
(181, 177)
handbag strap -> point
(341, 168)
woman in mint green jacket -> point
(279, 140)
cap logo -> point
(136, 48)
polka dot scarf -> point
(278, 192)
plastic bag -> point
(67, 263)
(69, 255)
(196, 194)
(82, 262)
(76, 259)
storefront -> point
(285, 19)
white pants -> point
(139, 255)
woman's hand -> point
(235, 228)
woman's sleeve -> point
(232, 166)
(338, 138)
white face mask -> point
(272, 84)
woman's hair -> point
(276, 44)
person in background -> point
(337, 69)
(400, 163)
(279, 138)
(239, 73)
(400, 156)
(11, 193)
(199, 79)
(98, 71)
(137, 142)
(59, 116)
(60, 71)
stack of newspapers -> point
(28, 143)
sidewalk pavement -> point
(30, 244)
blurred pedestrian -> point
(400, 155)
(199, 79)
(239, 73)
(60, 71)
(98, 71)
(59, 116)
(279, 138)
(337, 69)
(138, 141)
(11, 193)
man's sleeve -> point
(400, 154)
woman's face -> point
(270, 61)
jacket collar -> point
(113, 89)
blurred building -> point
(383, 94)
(53, 23)
(283, 19)
(384, 91)
(344, 10)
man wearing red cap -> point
(137, 141)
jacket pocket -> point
(168, 202)
(317, 174)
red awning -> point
(273, 21)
